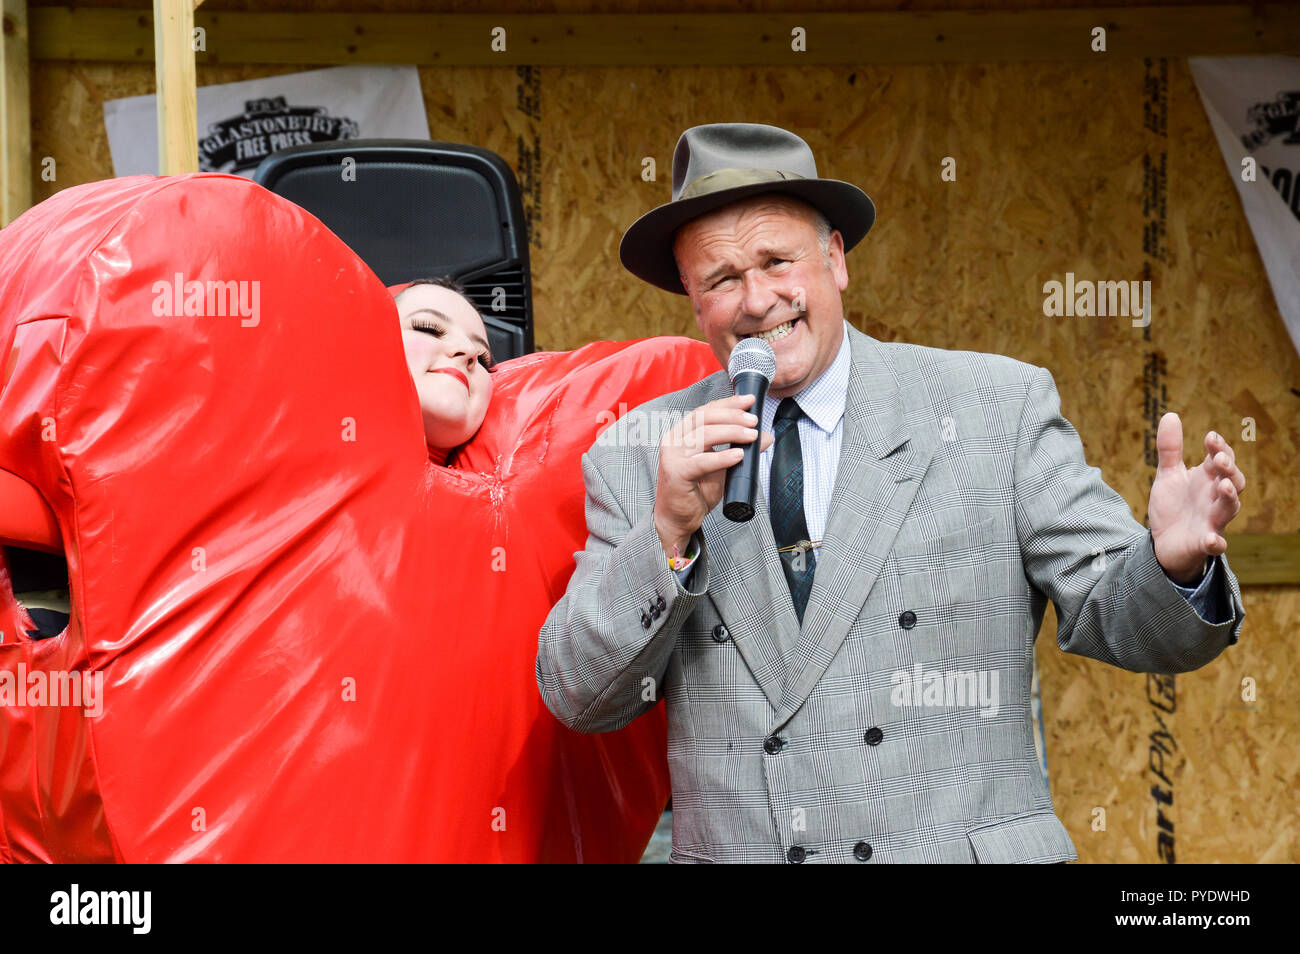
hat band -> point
(731, 179)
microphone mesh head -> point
(752, 354)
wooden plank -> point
(15, 113)
(1264, 558)
(178, 130)
(683, 39)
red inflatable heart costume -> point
(311, 643)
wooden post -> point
(15, 114)
(178, 135)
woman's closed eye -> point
(429, 327)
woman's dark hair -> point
(444, 281)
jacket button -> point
(720, 633)
(873, 736)
(645, 620)
(772, 745)
(796, 855)
(660, 604)
(654, 610)
(907, 620)
(862, 851)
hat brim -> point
(647, 247)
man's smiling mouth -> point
(775, 334)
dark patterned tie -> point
(788, 524)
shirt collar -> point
(824, 399)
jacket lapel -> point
(746, 584)
(882, 462)
(748, 589)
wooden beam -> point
(63, 33)
(1262, 558)
(178, 124)
(15, 113)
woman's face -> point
(447, 354)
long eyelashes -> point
(429, 328)
(437, 330)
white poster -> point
(240, 124)
(1254, 107)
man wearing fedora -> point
(847, 675)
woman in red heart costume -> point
(315, 643)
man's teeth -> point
(777, 333)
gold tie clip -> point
(801, 545)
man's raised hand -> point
(692, 476)
(1189, 509)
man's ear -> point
(839, 268)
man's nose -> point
(760, 295)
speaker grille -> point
(510, 304)
(403, 218)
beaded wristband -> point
(678, 562)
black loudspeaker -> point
(411, 208)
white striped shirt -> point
(821, 431)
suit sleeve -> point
(605, 646)
(1083, 549)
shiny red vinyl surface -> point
(313, 644)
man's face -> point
(748, 267)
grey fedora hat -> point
(718, 164)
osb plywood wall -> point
(1056, 172)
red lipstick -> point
(456, 372)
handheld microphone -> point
(751, 367)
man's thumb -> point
(1169, 441)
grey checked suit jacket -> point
(962, 503)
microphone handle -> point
(742, 478)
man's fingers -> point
(1215, 545)
(713, 414)
(705, 437)
(698, 466)
(1214, 443)
(736, 401)
(1226, 503)
(1221, 465)
(1169, 441)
